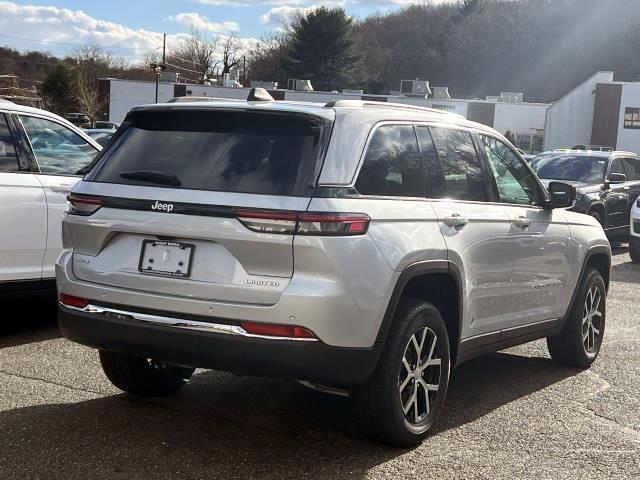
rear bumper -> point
(186, 345)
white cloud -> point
(59, 30)
(306, 3)
(279, 16)
(192, 19)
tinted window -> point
(8, 157)
(631, 168)
(392, 164)
(574, 168)
(265, 153)
(617, 166)
(515, 182)
(58, 150)
(458, 174)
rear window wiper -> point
(152, 176)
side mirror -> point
(562, 195)
(614, 178)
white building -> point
(600, 111)
(526, 121)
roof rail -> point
(371, 103)
(599, 148)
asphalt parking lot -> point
(511, 415)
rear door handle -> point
(522, 222)
(455, 220)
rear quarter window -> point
(217, 150)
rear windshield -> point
(577, 168)
(231, 151)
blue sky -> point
(131, 28)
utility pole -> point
(158, 68)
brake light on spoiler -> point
(304, 223)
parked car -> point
(105, 125)
(634, 233)
(79, 119)
(100, 135)
(257, 237)
(607, 183)
(41, 156)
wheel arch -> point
(438, 282)
(600, 208)
(598, 257)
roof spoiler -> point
(259, 95)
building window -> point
(632, 118)
(529, 143)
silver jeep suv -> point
(359, 245)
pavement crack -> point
(49, 382)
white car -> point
(42, 156)
(634, 234)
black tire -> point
(597, 216)
(634, 249)
(379, 402)
(570, 347)
(142, 376)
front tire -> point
(143, 376)
(579, 342)
(402, 400)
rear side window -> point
(453, 168)
(8, 157)
(631, 168)
(392, 166)
(217, 150)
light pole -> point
(158, 68)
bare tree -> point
(89, 99)
(231, 53)
(195, 56)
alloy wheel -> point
(592, 320)
(419, 377)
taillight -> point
(82, 205)
(304, 223)
(268, 221)
(71, 301)
(276, 330)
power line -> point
(182, 68)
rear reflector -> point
(71, 301)
(304, 223)
(83, 205)
(276, 330)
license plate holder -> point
(165, 258)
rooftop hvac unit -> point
(351, 91)
(441, 93)
(169, 77)
(415, 88)
(299, 85)
(492, 98)
(512, 97)
(265, 85)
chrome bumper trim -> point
(184, 324)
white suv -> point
(365, 245)
(41, 159)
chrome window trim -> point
(183, 324)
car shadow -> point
(222, 426)
(619, 248)
(627, 272)
(28, 321)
